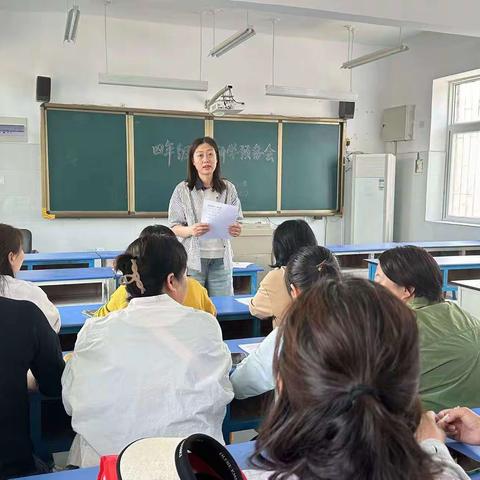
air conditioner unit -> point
(369, 198)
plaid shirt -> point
(185, 209)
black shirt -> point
(26, 342)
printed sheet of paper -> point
(241, 264)
(244, 300)
(249, 347)
(219, 216)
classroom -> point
(225, 222)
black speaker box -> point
(44, 85)
(346, 110)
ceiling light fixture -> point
(231, 42)
(374, 56)
(71, 26)
(154, 82)
(300, 92)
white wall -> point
(32, 45)
(409, 80)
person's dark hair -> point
(157, 230)
(192, 175)
(10, 242)
(348, 366)
(415, 269)
(156, 256)
(309, 265)
(288, 237)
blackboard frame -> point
(209, 120)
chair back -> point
(26, 240)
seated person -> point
(272, 298)
(155, 368)
(26, 342)
(197, 295)
(11, 259)
(449, 336)
(309, 266)
(347, 392)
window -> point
(463, 165)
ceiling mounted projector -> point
(223, 103)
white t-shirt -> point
(17, 289)
(213, 248)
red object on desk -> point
(108, 468)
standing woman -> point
(209, 261)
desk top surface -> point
(66, 274)
(71, 315)
(380, 247)
(450, 261)
(239, 451)
(59, 256)
(112, 254)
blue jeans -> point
(214, 277)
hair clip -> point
(320, 265)
(133, 277)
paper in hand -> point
(219, 217)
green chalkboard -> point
(161, 154)
(249, 159)
(310, 166)
(87, 161)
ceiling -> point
(187, 12)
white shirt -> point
(17, 289)
(185, 208)
(254, 375)
(153, 369)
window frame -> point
(452, 129)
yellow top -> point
(197, 297)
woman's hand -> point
(199, 229)
(235, 230)
(428, 428)
(461, 424)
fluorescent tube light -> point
(71, 26)
(155, 82)
(232, 42)
(374, 56)
(299, 92)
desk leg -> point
(253, 283)
(372, 268)
(256, 327)
(36, 427)
(226, 426)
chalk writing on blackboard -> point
(256, 152)
(171, 151)
(231, 152)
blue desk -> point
(446, 264)
(239, 451)
(228, 309)
(251, 271)
(60, 258)
(372, 248)
(63, 276)
(72, 317)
